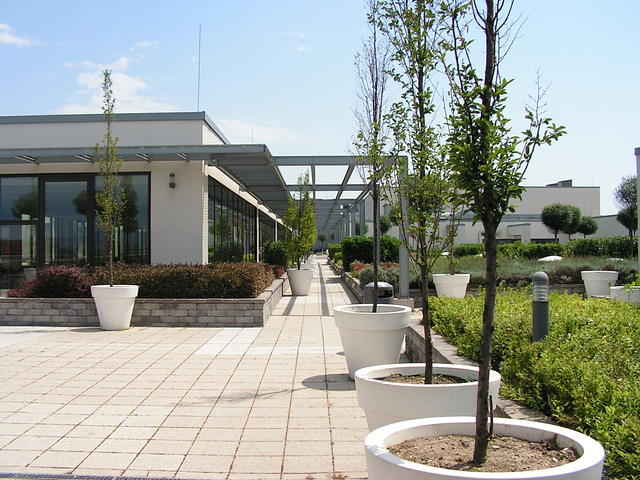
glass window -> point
(18, 198)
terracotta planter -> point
(114, 305)
(451, 285)
(371, 338)
(597, 282)
(300, 281)
(390, 402)
(382, 465)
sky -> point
(281, 72)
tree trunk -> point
(426, 322)
(482, 405)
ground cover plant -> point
(224, 280)
(585, 374)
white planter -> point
(597, 282)
(626, 294)
(389, 402)
(371, 338)
(300, 281)
(451, 285)
(382, 465)
(114, 305)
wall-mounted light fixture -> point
(172, 180)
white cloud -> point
(302, 48)
(145, 44)
(238, 131)
(294, 34)
(8, 38)
(127, 89)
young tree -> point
(626, 196)
(322, 237)
(588, 226)
(574, 225)
(385, 224)
(417, 179)
(109, 199)
(301, 220)
(372, 77)
(556, 217)
(489, 162)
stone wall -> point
(200, 312)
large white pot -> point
(627, 294)
(382, 465)
(597, 282)
(371, 338)
(300, 281)
(390, 402)
(114, 305)
(451, 285)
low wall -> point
(148, 312)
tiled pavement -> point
(216, 403)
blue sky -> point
(282, 72)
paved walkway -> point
(216, 403)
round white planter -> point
(371, 338)
(627, 294)
(389, 402)
(300, 281)
(451, 285)
(597, 282)
(114, 305)
(382, 465)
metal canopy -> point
(252, 166)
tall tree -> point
(588, 226)
(626, 196)
(417, 179)
(301, 220)
(109, 199)
(489, 162)
(372, 66)
(556, 217)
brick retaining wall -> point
(152, 312)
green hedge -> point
(617, 247)
(224, 280)
(333, 249)
(530, 251)
(275, 253)
(468, 249)
(360, 248)
(585, 375)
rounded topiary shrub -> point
(275, 253)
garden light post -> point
(540, 305)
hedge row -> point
(360, 248)
(224, 280)
(585, 374)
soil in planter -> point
(505, 454)
(419, 379)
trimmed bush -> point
(225, 280)
(530, 251)
(585, 374)
(334, 248)
(616, 247)
(360, 248)
(59, 281)
(468, 249)
(275, 253)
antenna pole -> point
(199, 56)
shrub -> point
(389, 249)
(584, 374)
(59, 281)
(530, 251)
(360, 248)
(275, 253)
(226, 280)
(468, 249)
(334, 248)
(617, 247)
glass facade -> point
(50, 220)
(267, 229)
(232, 226)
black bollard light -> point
(540, 305)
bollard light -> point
(540, 305)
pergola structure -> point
(252, 166)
